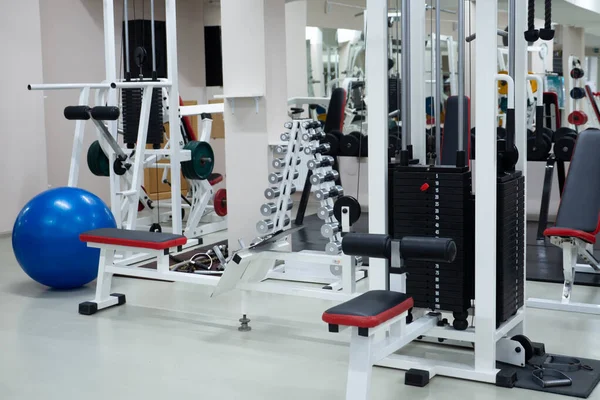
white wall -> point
(337, 16)
(23, 165)
(73, 51)
(295, 32)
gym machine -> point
(498, 310)
(577, 225)
(268, 257)
(145, 104)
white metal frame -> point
(381, 342)
(485, 335)
(126, 191)
(572, 248)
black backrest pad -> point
(450, 138)
(141, 236)
(580, 202)
(335, 112)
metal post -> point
(404, 80)
(153, 35)
(377, 88)
(416, 82)
(175, 147)
(110, 65)
(518, 61)
(461, 74)
(438, 81)
(126, 24)
(512, 37)
(485, 188)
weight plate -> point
(352, 204)
(578, 118)
(577, 73)
(564, 146)
(535, 152)
(577, 93)
(356, 134)
(334, 144)
(202, 160)
(349, 145)
(97, 160)
(220, 202)
(562, 131)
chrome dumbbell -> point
(277, 177)
(280, 162)
(325, 194)
(323, 148)
(316, 135)
(265, 226)
(274, 192)
(271, 193)
(269, 209)
(288, 125)
(281, 149)
(330, 230)
(333, 248)
(325, 212)
(317, 179)
(324, 161)
(285, 137)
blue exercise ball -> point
(45, 237)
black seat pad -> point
(370, 309)
(129, 238)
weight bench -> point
(577, 222)
(383, 311)
(109, 240)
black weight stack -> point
(510, 245)
(131, 108)
(437, 202)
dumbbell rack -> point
(258, 267)
(302, 137)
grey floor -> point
(173, 341)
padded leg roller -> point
(91, 308)
(106, 113)
(73, 113)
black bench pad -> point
(129, 238)
(580, 202)
(369, 310)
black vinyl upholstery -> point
(580, 203)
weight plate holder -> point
(202, 161)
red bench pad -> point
(213, 179)
(566, 232)
(370, 309)
(129, 238)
